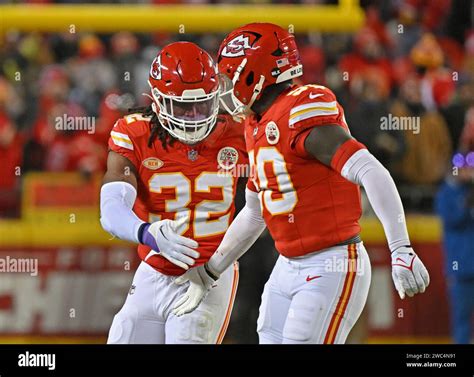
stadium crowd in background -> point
(413, 58)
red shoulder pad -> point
(314, 105)
(126, 137)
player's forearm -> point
(364, 169)
(242, 233)
(117, 216)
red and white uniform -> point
(318, 286)
(195, 183)
(307, 205)
(320, 283)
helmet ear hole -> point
(250, 78)
(277, 52)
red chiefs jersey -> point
(307, 205)
(196, 184)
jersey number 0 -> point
(284, 198)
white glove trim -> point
(411, 277)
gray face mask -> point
(190, 117)
(228, 102)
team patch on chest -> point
(152, 163)
(272, 133)
(227, 158)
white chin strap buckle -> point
(238, 71)
(256, 90)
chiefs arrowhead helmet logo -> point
(236, 46)
(155, 70)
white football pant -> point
(146, 316)
(316, 298)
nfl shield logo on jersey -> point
(227, 158)
(192, 155)
(273, 133)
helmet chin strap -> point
(238, 106)
(256, 90)
(258, 87)
(238, 71)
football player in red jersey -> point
(307, 173)
(170, 187)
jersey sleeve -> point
(315, 106)
(122, 143)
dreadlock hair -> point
(155, 126)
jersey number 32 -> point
(219, 210)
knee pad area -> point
(123, 327)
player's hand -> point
(200, 281)
(408, 272)
(162, 237)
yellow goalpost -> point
(347, 16)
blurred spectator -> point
(141, 72)
(124, 52)
(455, 113)
(430, 13)
(405, 29)
(72, 150)
(54, 87)
(365, 119)
(437, 85)
(428, 145)
(64, 46)
(92, 73)
(10, 155)
(312, 56)
(112, 107)
(368, 58)
(455, 206)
